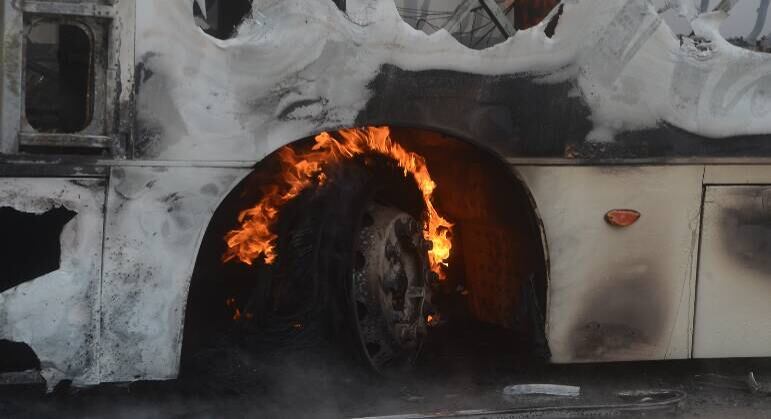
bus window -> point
(221, 17)
(477, 24)
(59, 73)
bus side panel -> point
(619, 294)
(53, 228)
(156, 219)
(733, 314)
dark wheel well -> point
(498, 268)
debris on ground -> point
(748, 383)
(542, 390)
(755, 386)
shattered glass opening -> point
(30, 244)
(17, 357)
(477, 24)
(59, 73)
(221, 17)
(551, 27)
(747, 25)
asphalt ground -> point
(306, 385)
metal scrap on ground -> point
(542, 389)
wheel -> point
(352, 268)
(390, 288)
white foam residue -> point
(301, 66)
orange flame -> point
(231, 303)
(300, 171)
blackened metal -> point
(540, 343)
(53, 169)
(496, 230)
(745, 228)
(25, 377)
(552, 122)
(668, 141)
(389, 289)
(65, 141)
(625, 319)
(487, 110)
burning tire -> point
(352, 268)
(390, 288)
(344, 255)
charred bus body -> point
(604, 183)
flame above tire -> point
(254, 238)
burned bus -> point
(566, 181)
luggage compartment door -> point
(733, 300)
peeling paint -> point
(57, 313)
(156, 218)
(624, 317)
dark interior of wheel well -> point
(492, 302)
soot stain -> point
(481, 107)
(626, 316)
(304, 109)
(745, 230)
(210, 189)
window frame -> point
(95, 127)
(110, 24)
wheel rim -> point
(390, 288)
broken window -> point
(476, 24)
(221, 17)
(17, 357)
(551, 26)
(747, 25)
(30, 245)
(59, 73)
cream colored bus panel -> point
(733, 311)
(619, 293)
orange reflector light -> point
(622, 217)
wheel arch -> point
(228, 206)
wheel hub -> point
(390, 287)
